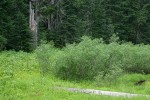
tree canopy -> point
(65, 21)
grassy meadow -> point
(89, 64)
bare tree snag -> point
(33, 22)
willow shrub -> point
(92, 58)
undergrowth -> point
(21, 78)
(88, 64)
(93, 59)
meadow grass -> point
(33, 86)
(21, 79)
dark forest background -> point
(65, 21)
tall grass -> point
(20, 77)
(10, 63)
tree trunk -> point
(33, 22)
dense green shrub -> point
(46, 55)
(136, 58)
(92, 58)
(78, 61)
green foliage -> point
(114, 38)
(93, 58)
(130, 19)
(14, 25)
(136, 58)
(99, 19)
(87, 60)
(11, 60)
(65, 21)
(10, 63)
(46, 11)
(20, 78)
(46, 55)
(79, 61)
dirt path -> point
(99, 92)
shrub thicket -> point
(92, 58)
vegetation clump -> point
(91, 58)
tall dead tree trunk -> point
(34, 19)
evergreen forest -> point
(65, 21)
